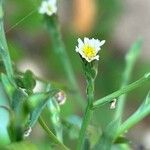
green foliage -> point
(54, 110)
(137, 116)
(60, 52)
(121, 140)
(72, 126)
(36, 102)
(4, 49)
(23, 145)
(106, 140)
(130, 58)
(26, 81)
(4, 117)
(1, 12)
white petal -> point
(49, 7)
(52, 2)
(77, 49)
(87, 59)
(43, 7)
(42, 11)
(94, 43)
(80, 43)
(102, 42)
(96, 57)
(55, 9)
(86, 40)
(82, 54)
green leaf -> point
(4, 117)
(142, 81)
(54, 111)
(121, 140)
(106, 140)
(26, 81)
(72, 124)
(8, 86)
(19, 81)
(86, 145)
(131, 58)
(19, 114)
(4, 48)
(1, 12)
(21, 145)
(19, 97)
(136, 117)
(134, 51)
(92, 134)
(35, 104)
(18, 118)
(16, 96)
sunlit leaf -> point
(21, 146)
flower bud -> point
(60, 97)
(113, 104)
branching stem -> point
(88, 113)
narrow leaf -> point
(21, 145)
(36, 103)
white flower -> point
(89, 48)
(48, 7)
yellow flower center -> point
(89, 51)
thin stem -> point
(4, 48)
(131, 58)
(88, 113)
(51, 135)
(130, 87)
(141, 113)
(54, 30)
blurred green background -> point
(30, 48)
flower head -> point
(89, 48)
(48, 7)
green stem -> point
(51, 135)
(88, 113)
(3, 47)
(54, 30)
(141, 113)
(4, 114)
(4, 118)
(130, 87)
(131, 58)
